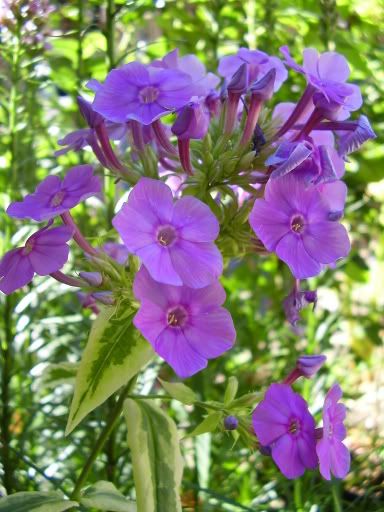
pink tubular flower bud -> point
(263, 88)
(306, 366)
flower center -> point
(177, 317)
(57, 199)
(297, 223)
(294, 427)
(148, 94)
(166, 235)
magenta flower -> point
(185, 326)
(293, 222)
(143, 93)
(283, 422)
(54, 196)
(174, 240)
(258, 64)
(333, 455)
(191, 65)
(327, 72)
(44, 252)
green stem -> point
(109, 33)
(109, 427)
(6, 413)
(336, 497)
(80, 24)
(297, 495)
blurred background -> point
(48, 51)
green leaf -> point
(179, 391)
(115, 353)
(231, 390)
(156, 458)
(103, 495)
(35, 502)
(209, 424)
(61, 373)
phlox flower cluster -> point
(283, 175)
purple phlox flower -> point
(283, 422)
(143, 93)
(93, 85)
(231, 423)
(116, 131)
(54, 196)
(117, 252)
(310, 162)
(44, 252)
(87, 301)
(75, 141)
(192, 122)
(212, 102)
(292, 220)
(295, 302)
(190, 65)
(328, 72)
(185, 326)
(333, 455)
(174, 240)
(92, 118)
(258, 64)
(350, 141)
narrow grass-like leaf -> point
(156, 458)
(179, 391)
(115, 353)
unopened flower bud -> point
(353, 139)
(263, 88)
(92, 118)
(104, 297)
(239, 81)
(310, 365)
(92, 278)
(231, 423)
(192, 122)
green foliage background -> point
(41, 72)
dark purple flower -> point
(174, 240)
(54, 196)
(328, 72)
(258, 64)
(283, 422)
(293, 222)
(190, 65)
(231, 423)
(185, 326)
(44, 252)
(333, 455)
(143, 93)
(192, 122)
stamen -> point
(148, 94)
(166, 235)
(177, 317)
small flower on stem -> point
(306, 366)
(231, 423)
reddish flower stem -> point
(184, 155)
(78, 237)
(102, 135)
(69, 280)
(252, 118)
(162, 138)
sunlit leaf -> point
(103, 495)
(35, 502)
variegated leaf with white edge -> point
(103, 495)
(156, 457)
(179, 391)
(115, 353)
(36, 502)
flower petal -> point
(326, 242)
(269, 223)
(291, 250)
(195, 220)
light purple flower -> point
(295, 302)
(185, 326)
(76, 140)
(283, 422)
(258, 64)
(293, 222)
(309, 365)
(143, 93)
(191, 65)
(333, 455)
(54, 196)
(174, 240)
(44, 252)
(327, 72)
(192, 122)
(117, 252)
(350, 141)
